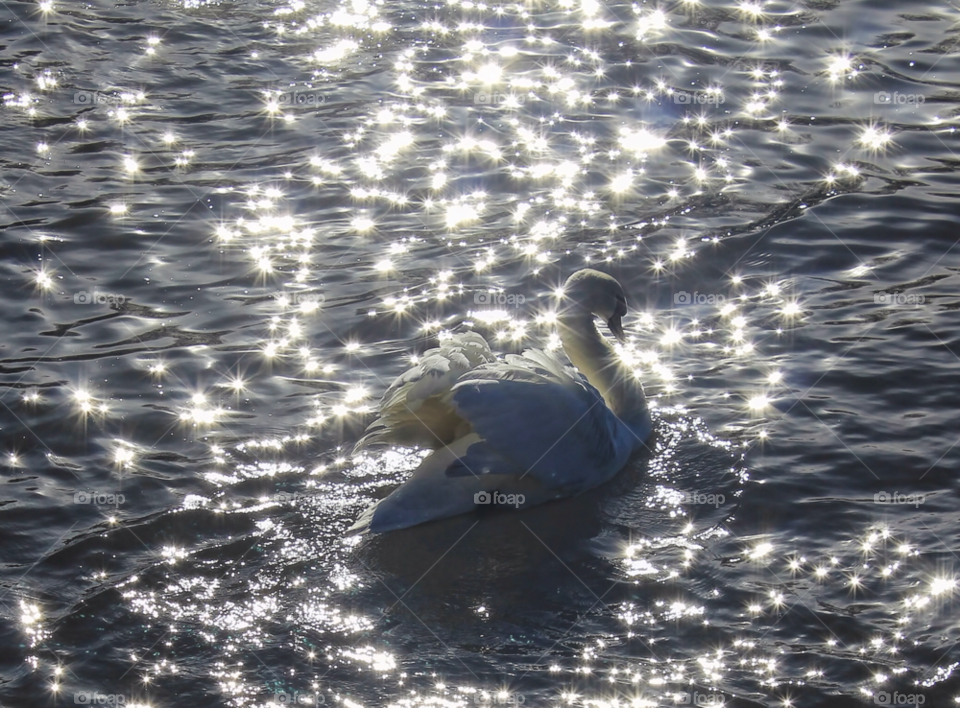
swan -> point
(519, 431)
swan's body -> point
(526, 425)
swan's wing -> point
(416, 409)
(542, 417)
(431, 494)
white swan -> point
(527, 425)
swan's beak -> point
(615, 324)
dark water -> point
(220, 245)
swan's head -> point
(601, 295)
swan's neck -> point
(601, 364)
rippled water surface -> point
(226, 226)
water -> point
(227, 226)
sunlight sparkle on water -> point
(939, 586)
(874, 138)
(533, 111)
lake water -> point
(227, 226)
